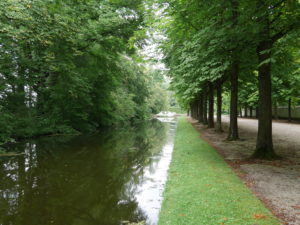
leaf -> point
(269, 60)
(259, 216)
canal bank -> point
(202, 188)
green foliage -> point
(68, 67)
(205, 38)
(6, 120)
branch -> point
(277, 4)
(282, 33)
(276, 17)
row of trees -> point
(247, 48)
(70, 66)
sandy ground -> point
(276, 183)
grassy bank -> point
(203, 190)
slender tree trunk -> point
(233, 125)
(194, 110)
(200, 108)
(20, 98)
(205, 122)
(211, 123)
(275, 111)
(256, 112)
(246, 111)
(219, 107)
(251, 112)
(290, 110)
(241, 112)
(264, 144)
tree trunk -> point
(211, 123)
(205, 107)
(219, 108)
(251, 111)
(290, 110)
(200, 108)
(246, 111)
(264, 144)
(275, 111)
(194, 110)
(233, 125)
(256, 112)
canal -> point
(114, 177)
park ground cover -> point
(203, 189)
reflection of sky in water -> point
(150, 190)
(166, 119)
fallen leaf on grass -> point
(225, 218)
(182, 215)
(259, 216)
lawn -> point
(203, 190)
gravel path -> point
(277, 183)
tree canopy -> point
(70, 66)
(248, 49)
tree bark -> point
(246, 111)
(195, 110)
(256, 112)
(251, 112)
(200, 108)
(219, 107)
(233, 125)
(205, 122)
(211, 123)
(264, 144)
(290, 110)
(275, 111)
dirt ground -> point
(276, 183)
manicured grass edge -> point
(202, 189)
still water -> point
(111, 178)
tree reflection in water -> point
(85, 180)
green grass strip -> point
(203, 190)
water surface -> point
(105, 179)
